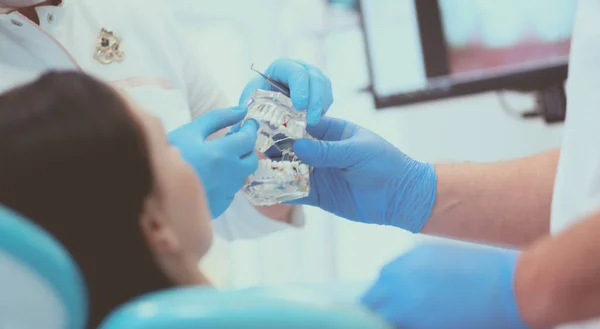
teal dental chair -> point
(40, 285)
(42, 288)
(256, 308)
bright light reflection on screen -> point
(395, 46)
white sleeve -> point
(241, 220)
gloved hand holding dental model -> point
(448, 286)
(223, 164)
(310, 89)
(360, 176)
(283, 100)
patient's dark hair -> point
(74, 160)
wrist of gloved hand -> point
(413, 198)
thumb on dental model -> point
(319, 154)
(335, 146)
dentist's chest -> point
(141, 62)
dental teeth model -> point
(279, 125)
(277, 181)
(279, 121)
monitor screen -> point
(484, 37)
(427, 49)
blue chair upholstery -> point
(40, 285)
(264, 308)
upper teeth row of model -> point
(268, 167)
(278, 117)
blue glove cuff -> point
(412, 203)
(513, 315)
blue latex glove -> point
(310, 89)
(448, 286)
(223, 164)
(360, 176)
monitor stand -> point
(552, 103)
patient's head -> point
(98, 173)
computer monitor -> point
(421, 50)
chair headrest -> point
(40, 285)
(196, 308)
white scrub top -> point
(577, 186)
(159, 70)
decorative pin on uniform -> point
(108, 48)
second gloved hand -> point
(310, 89)
(360, 176)
(448, 286)
(223, 164)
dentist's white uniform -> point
(160, 71)
(577, 187)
